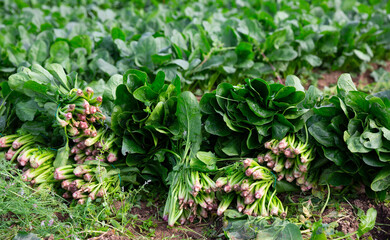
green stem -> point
(327, 200)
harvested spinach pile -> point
(237, 147)
(241, 118)
(352, 131)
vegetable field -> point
(195, 119)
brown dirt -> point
(330, 79)
(8, 216)
(62, 217)
(382, 225)
(348, 221)
(345, 217)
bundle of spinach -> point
(145, 116)
(239, 119)
(40, 91)
(352, 129)
(159, 122)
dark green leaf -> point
(130, 146)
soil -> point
(348, 221)
(161, 228)
(61, 217)
(345, 215)
(382, 225)
(330, 79)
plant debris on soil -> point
(344, 215)
(362, 79)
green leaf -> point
(321, 134)
(313, 95)
(181, 63)
(354, 144)
(283, 186)
(318, 232)
(288, 231)
(382, 180)
(244, 51)
(231, 213)
(38, 52)
(189, 117)
(371, 140)
(145, 94)
(106, 67)
(259, 111)
(130, 146)
(16, 81)
(335, 177)
(362, 56)
(357, 101)
(367, 221)
(372, 160)
(146, 47)
(82, 41)
(26, 110)
(386, 133)
(117, 33)
(335, 155)
(59, 52)
(294, 81)
(213, 125)
(380, 111)
(16, 55)
(345, 84)
(111, 85)
(279, 130)
(283, 54)
(26, 236)
(58, 72)
(157, 114)
(313, 60)
(158, 82)
(36, 87)
(208, 158)
(62, 156)
(261, 88)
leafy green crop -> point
(352, 129)
(241, 118)
(203, 42)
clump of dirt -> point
(110, 235)
(62, 216)
(345, 217)
(144, 212)
(349, 222)
(8, 216)
(362, 79)
(328, 79)
(382, 224)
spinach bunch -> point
(36, 94)
(145, 115)
(241, 118)
(353, 130)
